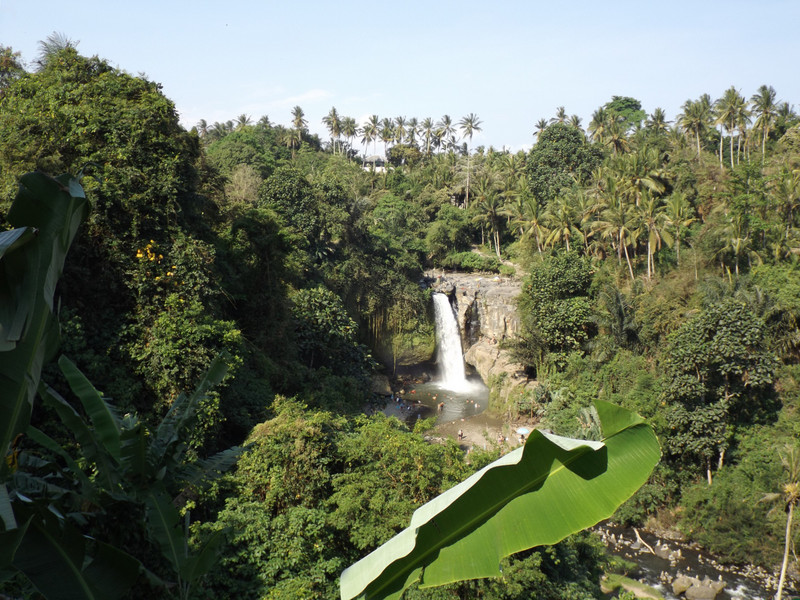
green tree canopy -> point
(561, 157)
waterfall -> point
(448, 346)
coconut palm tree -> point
(489, 208)
(52, 45)
(243, 120)
(598, 126)
(427, 129)
(655, 224)
(765, 107)
(299, 121)
(334, 124)
(560, 219)
(789, 497)
(386, 134)
(371, 131)
(694, 118)
(531, 221)
(657, 123)
(561, 115)
(445, 131)
(726, 112)
(786, 190)
(412, 131)
(680, 214)
(615, 136)
(616, 222)
(202, 128)
(575, 121)
(639, 172)
(541, 125)
(399, 130)
(469, 125)
(349, 130)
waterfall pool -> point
(422, 400)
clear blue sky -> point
(509, 62)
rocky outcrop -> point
(486, 311)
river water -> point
(658, 571)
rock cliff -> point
(487, 315)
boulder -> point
(682, 583)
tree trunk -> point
(628, 258)
(785, 562)
(708, 471)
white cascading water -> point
(448, 345)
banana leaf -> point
(30, 266)
(104, 417)
(538, 494)
(53, 556)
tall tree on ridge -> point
(541, 125)
(427, 130)
(445, 131)
(334, 124)
(694, 119)
(766, 109)
(469, 125)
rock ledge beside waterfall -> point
(486, 311)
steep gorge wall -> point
(487, 315)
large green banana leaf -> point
(47, 213)
(538, 494)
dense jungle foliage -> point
(659, 267)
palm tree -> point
(790, 496)
(349, 131)
(742, 121)
(413, 129)
(243, 120)
(575, 121)
(653, 219)
(399, 130)
(616, 136)
(680, 215)
(765, 107)
(299, 121)
(202, 128)
(427, 129)
(598, 126)
(386, 133)
(726, 110)
(469, 125)
(616, 221)
(560, 219)
(787, 191)
(52, 45)
(292, 138)
(541, 125)
(657, 123)
(561, 115)
(445, 131)
(299, 124)
(639, 172)
(531, 219)
(489, 204)
(371, 131)
(696, 117)
(334, 124)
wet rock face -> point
(485, 305)
(486, 311)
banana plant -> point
(46, 215)
(42, 503)
(538, 494)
